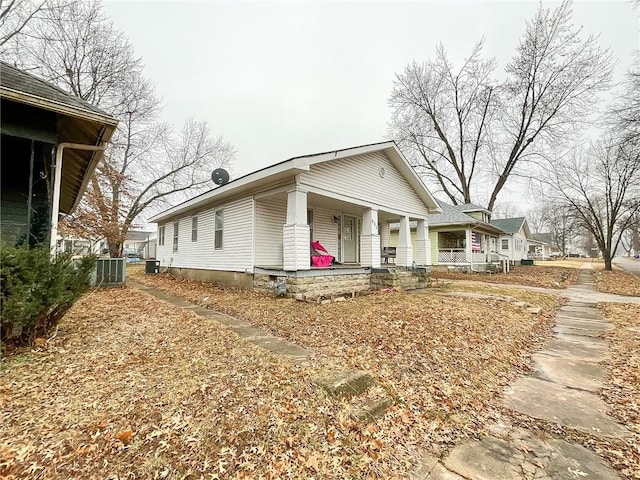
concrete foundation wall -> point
(222, 277)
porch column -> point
(423, 244)
(370, 240)
(468, 251)
(295, 233)
(404, 250)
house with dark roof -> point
(513, 243)
(541, 246)
(257, 230)
(51, 143)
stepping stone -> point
(592, 350)
(549, 401)
(521, 304)
(580, 374)
(581, 315)
(280, 347)
(550, 459)
(559, 329)
(593, 325)
(346, 384)
(534, 310)
(574, 336)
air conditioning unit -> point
(109, 272)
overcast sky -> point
(281, 79)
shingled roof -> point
(29, 87)
(509, 225)
(28, 98)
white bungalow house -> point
(513, 242)
(542, 247)
(255, 231)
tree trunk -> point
(115, 250)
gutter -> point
(57, 179)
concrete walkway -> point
(562, 389)
(252, 334)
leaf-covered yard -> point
(618, 281)
(532, 276)
(132, 387)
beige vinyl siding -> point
(271, 214)
(359, 178)
(237, 238)
(325, 230)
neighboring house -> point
(140, 244)
(256, 230)
(460, 237)
(542, 247)
(513, 242)
(463, 236)
(51, 143)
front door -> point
(349, 239)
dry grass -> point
(132, 387)
(618, 281)
(574, 263)
(532, 276)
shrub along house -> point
(255, 231)
(51, 143)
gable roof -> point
(454, 215)
(289, 168)
(75, 121)
(509, 225)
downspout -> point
(55, 207)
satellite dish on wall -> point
(220, 176)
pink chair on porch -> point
(319, 256)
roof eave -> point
(58, 107)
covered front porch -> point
(468, 248)
(354, 233)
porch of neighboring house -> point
(467, 250)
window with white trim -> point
(194, 229)
(175, 236)
(218, 229)
(161, 236)
(505, 244)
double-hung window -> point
(175, 236)
(218, 230)
(194, 229)
(505, 244)
(161, 236)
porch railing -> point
(452, 255)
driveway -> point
(629, 264)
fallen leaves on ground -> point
(132, 387)
(618, 281)
(622, 390)
(528, 275)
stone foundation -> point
(314, 285)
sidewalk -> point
(562, 390)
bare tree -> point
(442, 115)
(599, 188)
(507, 210)
(146, 164)
(461, 127)
(16, 16)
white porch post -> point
(423, 244)
(295, 233)
(404, 250)
(370, 240)
(468, 251)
